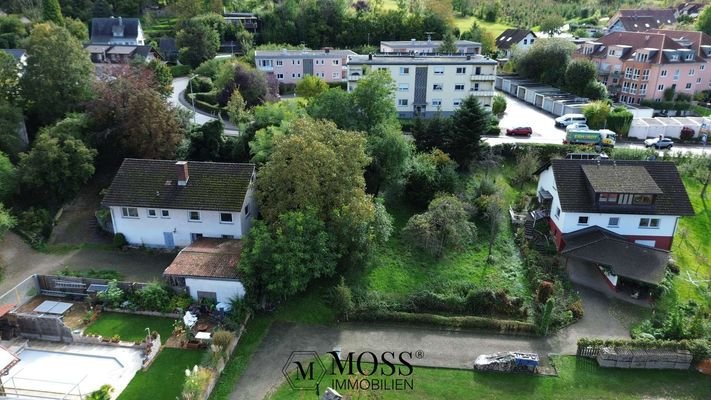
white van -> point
(567, 119)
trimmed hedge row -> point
(699, 348)
(468, 322)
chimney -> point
(370, 56)
(182, 170)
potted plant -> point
(104, 339)
(115, 339)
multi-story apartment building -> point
(427, 47)
(641, 65)
(430, 84)
(290, 66)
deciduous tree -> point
(206, 142)
(703, 21)
(197, 41)
(77, 28)
(58, 75)
(8, 178)
(10, 120)
(429, 174)
(596, 114)
(498, 105)
(9, 78)
(52, 12)
(444, 226)
(578, 74)
(552, 24)
(311, 86)
(545, 61)
(7, 221)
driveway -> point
(442, 348)
(199, 117)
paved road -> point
(603, 318)
(200, 118)
(519, 113)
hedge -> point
(619, 120)
(667, 105)
(468, 322)
(699, 348)
(342, 85)
(180, 70)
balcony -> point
(354, 78)
(482, 93)
(483, 77)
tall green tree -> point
(52, 12)
(498, 105)
(311, 86)
(596, 113)
(162, 76)
(552, 24)
(7, 221)
(8, 178)
(463, 141)
(77, 28)
(206, 142)
(197, 41)
(449, 45)
(56, 167)
(58, 76)
(546, 61)
(11, 120)
(578, 74)
(703, 21)
(281, 259)
(9, 78)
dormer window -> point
(642, 199)
(690, 56)
(642, 57)
(608, 198)
(674, 57)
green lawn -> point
(495, 28)
(129, 326)
(578, 379)
(164, 378)
(692, 247)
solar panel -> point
(45, 306)
(95, 288)
(53, 307)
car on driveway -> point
(520, 131)
(659, 143)
(578, 126)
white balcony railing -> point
(483, 77)
(482, 93)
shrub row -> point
(474, 302)
(667, 105)
(699, 348)
(179, 70)
(468, 322)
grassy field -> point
(129, 326)
(164, 378)
(692, 247)
(578, 379)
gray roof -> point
(153, 183)
(611, 178)
(511, 37)
(572, 186)
(628, 259)
(102, 29)
(303, 53)
(419, 60)
(426, 43)
(17, 53)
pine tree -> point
(52, 12)
(449, 45)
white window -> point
(660, 88)
(688, 85)
(404, 70)
(633, 88)
(334, 75)
(335, 62)
(698, 80)
(610, 52)
(628, 73)
(461, 70)
(476, 87)
(645, 75)
(692, 72)
(690, 56)
(649, 223)
(279, 63)
(702, 67)
(643, 89)
(194, 216)
(663, 73)
(129, 212)
(459, 86)
(437, 102)
(457, 102)
(225, 218)
(437, 86)
(676, 75)
(152, 214)
(642, 57)
(439, 70)
(674, 57)
(402, 102)
(295, 62)
(582, 220)
(403, 87)
(280, 76)
(614, 221)
(635, 74)
(625, 87)
(164, 214)
(525, 41)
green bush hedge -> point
(287, 88)
(480, 323)
(699, 348)
(202, 84)
(209, 97)
(342, 85)
(179, 70)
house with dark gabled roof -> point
(641, 20)
(117, 31)
(521, 38)
(163, 203)
(617, 215)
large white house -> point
(430, 84)
(618, 215)
(520, 38)
(117, 31)
(427, 46)
(163, 203)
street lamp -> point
(192, 97)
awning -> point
(627, 259)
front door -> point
(168, 237)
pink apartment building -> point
(639, 66)
(290, 66)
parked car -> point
(567, 119)
(578, 126)
(520, 131)
(659, 143)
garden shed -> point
(207, 269)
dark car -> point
(520, 131)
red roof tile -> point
(210, 258)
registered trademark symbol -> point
(419, 354)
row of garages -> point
(671, 127)
(552, 99)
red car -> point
(520, 131)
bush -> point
(699, 348)
(154, 296)
(113, 296)
(119, 240)
(686, 134)
(36, 225)
(210, 68)
(488, 324)
(545, 291)
(210, 98)
(180, 302)
(342, 299)
(202, 84)
(222, 339)
(180, 70)
(577, 309)
(287, 88)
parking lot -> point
(519, 113)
